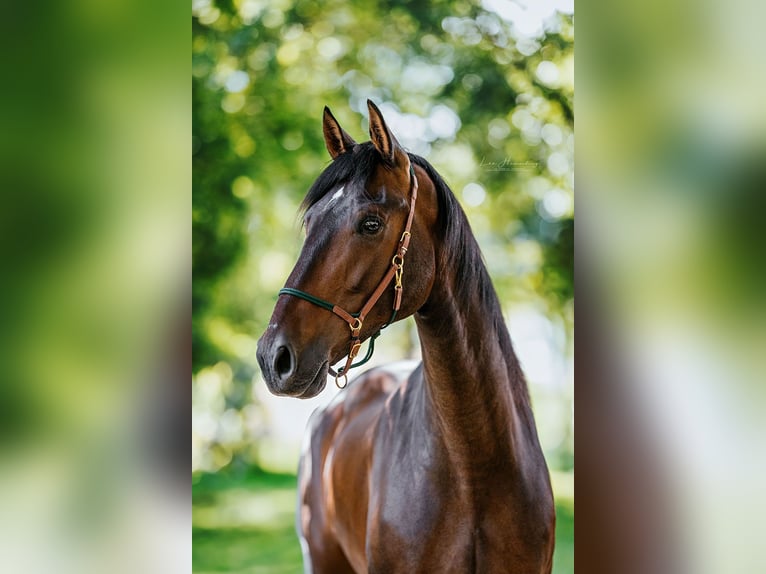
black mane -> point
(462, 256)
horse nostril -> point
(283, 362)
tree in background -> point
(482, 90)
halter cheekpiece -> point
(356, 320)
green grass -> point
(563, 556)
(245, 525)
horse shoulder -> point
(413, 494)
(335, 466)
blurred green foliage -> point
(481, 90)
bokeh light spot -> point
(237, 81)
(556, 204)
(474, 194)
(558, 164)
(547, 73)
(330, 48)
(242, 187)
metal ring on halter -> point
(401, 261)
(343, 376)
(356, 326)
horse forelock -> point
(352, 170)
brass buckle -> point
(355, 350)
(356, 327)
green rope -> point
(310, 298)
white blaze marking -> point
(335, 196)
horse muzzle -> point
(288, 372)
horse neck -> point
(474, 381)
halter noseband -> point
(356, 320)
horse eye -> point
(370, 225)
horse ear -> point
(381, 136)
(335, 137)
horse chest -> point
(433, 532)
(419, 532)
(420, 519)
(425, 516)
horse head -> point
(362, 222)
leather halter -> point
(356, 320)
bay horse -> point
(434, 470)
